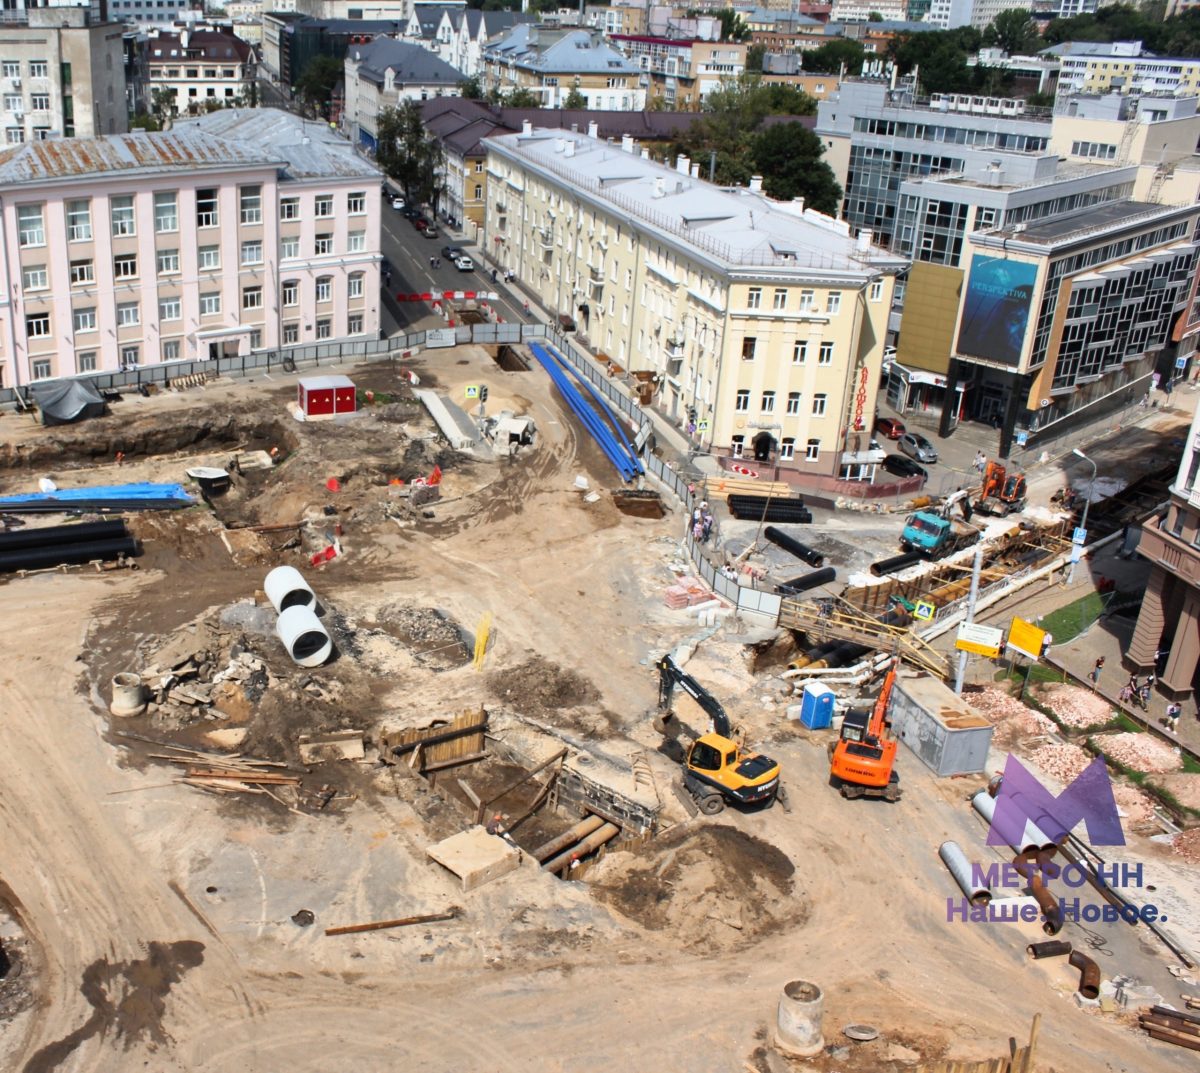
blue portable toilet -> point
(816, 707)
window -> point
(256, 339)
(14, 135)
(291, 332)
(170, 309)
(39, 102)
(749, 345)
(79, 221)
(819, 403)
(252, 253)
(210, 258)
(324, 288)
(808, 301)
(323, 205)
(324, 328)
(780, 301)
(358, 241)
(324, 244)
(41, 369)
(787, 448)
(289, 208)
(121, 214)
(356, 204)
(38, 69)
(128, 314)
(799, 353)
(875, 292)
(355, 285)
(82, 273)
(479, 167)
(37, 325)
(35, 278)
(833, 302)
(210, 304)
(793, 403)
(291, 292)
(736, 445)
(85, 361)
(168, 262)
(13, 103)
(170, 350)
(354, 324)
(754, 298)
(29, 225)
(289, 248)
(12, 68)
(478, 192)
(206, 208)
(812, 451)
(768, 402)
(84, 320)
(742, 403)
(251, 202)
(166, 212)
(125, 266)
(130, 356)
(825, 355)
(252, 298)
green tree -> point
(144, 121)
(162, 104)
(575, 99)
(829, 58)
(471, 88)
(754, 57)
(523, 98)
(408, 155)
(788, 157)
(1013, 30)
(733, 27)
(316, 82)
(941, 58)
(874, 16)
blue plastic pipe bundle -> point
(605, 410)
(625, 466)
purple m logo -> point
(1022, 799)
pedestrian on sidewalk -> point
(980, 462)
(1145, 693)
(1173, 712)
(526, 307)
(1095, 675)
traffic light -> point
(692, 414)
(483, 393)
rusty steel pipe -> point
(568, 838)
(1089, 973)
(593, 842)
(1052, 948)
(1052, 919)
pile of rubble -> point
(1014, 721)
(1187, 845)
(1141, 752)
(1060, 760)
(1075, 707)
(190, 688)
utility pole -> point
(976, 567)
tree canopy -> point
(575, 99)
(523, 98)
(788, 157)
(829, 58)
(1013, 30)
(408, 155)
(316, 82)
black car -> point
(409, 212)
(452, 252)
(903, 466)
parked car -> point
(429, 231)
(398, 203)
(420, 223)
(410, 212)
(464, 263)
(902, 466)
(917, 446)
(452, 253)
(889, 427)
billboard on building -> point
(996, 309)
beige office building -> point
(760, 317)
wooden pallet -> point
(718, 487)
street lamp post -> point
(1086, 503)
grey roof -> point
(1094, 48)
(494, 22)
(1059, 230)
(894, 26)
(412, 63)
(734, 228)
(429, 18)
(766, 14)
(305, 149)
(554, 52)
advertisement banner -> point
(996, 309)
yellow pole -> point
(481, 638)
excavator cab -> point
(863, 760)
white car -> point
(397, 203)
(464, 263)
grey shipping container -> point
(949, 736)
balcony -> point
(596, 274)
(546, 238)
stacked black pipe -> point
(768, 509)
(55, 545)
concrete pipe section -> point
(798, 1020)
(128, 695)
(1033, 840)
(960, 868)
(285, 587)
(304, 637)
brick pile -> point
(686, 592)
(1060, 760)
(1140, 752)
(1001, 707)
(1187, 845)
(1075, 707)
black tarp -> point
(64, 401)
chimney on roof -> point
(574, 128)
(756, 183)
(695, 171)
(660, 186)
(569, 148)
(559, 145)
(645, 153)
(183, 38)
(527, 127)
(799, 203)
(593, 129)
(682, 164)
(627, 143)
(864, 241)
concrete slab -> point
(341, 745)
(475, 856)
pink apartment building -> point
(237, 231)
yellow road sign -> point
(472, 391)
(1026, 638)
(924, 610)
(982, 640)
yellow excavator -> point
(717, 769)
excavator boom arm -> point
(879, 713)
(671, 675)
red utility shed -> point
(322, 395)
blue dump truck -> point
(934, 534)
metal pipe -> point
(896, 562)
(1052, 948)
(807, 581)
(1089, 973)
(1051, 907)
(568, 838)
(593, 842)
(802, 551)
(960, 868)
(1033, 839)
(59, 554)
(49, 535)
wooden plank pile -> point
(715, 487)
(1171, 1026)
(222, 773)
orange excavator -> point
(1003, 493)
(863, 759)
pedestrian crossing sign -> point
(924, 610)
(472, 391)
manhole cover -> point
(862, 1033)
(303, 918)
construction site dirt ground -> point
(152, 924)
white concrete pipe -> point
(128, 695)
(285, 587)
(303, 636)
(960, 868)
(1033, 839)
(798, 1022)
